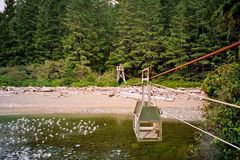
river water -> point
(71, 136)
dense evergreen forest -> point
(69, 36)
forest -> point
(80, 43)
(71, 40)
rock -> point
(77, 145)
(27, 149)
(111, 94)
(39, 151)
(49, 155)
(31, 89)
(25, 158)
(36, 155)
(60, 94)
(111, 155)
(46, 89)
(44, 155)
(164, 98)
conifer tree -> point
(78, 41)
(56, 30)
(5, 39)
(22, 30)
(137, 35)
(42, 36)
(176, 42)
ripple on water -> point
(86, 138)
(29, 138)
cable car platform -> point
(147, 122)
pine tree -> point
(87, 38)
(56, 30)
(122, 34)
(78, 42)
(5, 20)
(22, 29)
(176, 42)
(102, 20)
(3, 38)
(42, 38)
(137, 35)
(9, 10)
(204, 34)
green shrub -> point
(105, 83)
(4, 71)
(107, 79)
(180, 83)
(224, 121)
(133, 81)
(108, 76)
(17, 73)
(50, 70)
(81, 83)
(56, 82)
(83, 72)
(175, 77)
(4, 81)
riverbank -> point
(97, 100)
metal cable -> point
(200, 97)
(220, 139)
(233, 45)
(134, 84)
(131, 76)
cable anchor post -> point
(120, 73)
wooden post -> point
(146, 88)
(149, 94)
(160, 129)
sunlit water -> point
(76, 137)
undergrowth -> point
(64, 73)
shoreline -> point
(96, 100)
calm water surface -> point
(94, 137)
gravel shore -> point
(98, 100)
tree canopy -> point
(101, 34)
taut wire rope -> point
(208, 133)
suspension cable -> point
(220, 139)
(201, 97)
(233, 45)
(131, 76)
(134, 84)
(181, 120)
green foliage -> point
(134, 81)
(69, 39)
(224, 84)
(178, 83)
(87, 37)
(50, 70)
(107, 79)
(81, 83)
(54, 73)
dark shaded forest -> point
(67, 36)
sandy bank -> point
(96, 100)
